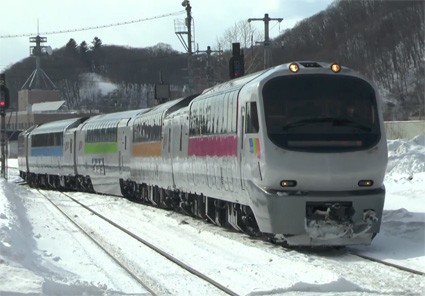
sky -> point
(34, 260)
(212, 19)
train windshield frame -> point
(321, 113)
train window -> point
(198, 119)
(145, 130)
(213, 114)
(204, 124)
(225, 113)
(220, 115)
(209, 120)
(169, 140)
(319, 112)
(251, 118)
(233, 108)
(216, 115)
(181, 137)
(192, 128)
(46, 140)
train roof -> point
(303, 67)
(57, 126)
(171, 106)
(233, 84)
(116, 116)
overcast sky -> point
(212, 19)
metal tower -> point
(38, 78)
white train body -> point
(296, 152)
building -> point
(39, 100)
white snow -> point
(42, 253)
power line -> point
(95, 27)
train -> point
(296, 153)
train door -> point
(123, 133)
(68, 153)
(167, 151)
(241, 150)
(250, 152)
(74, 152)
(26, 149)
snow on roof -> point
(47, 106)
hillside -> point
(383, 40)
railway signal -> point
(4, 93)
(4, 104)
(4, 97)
(236, 62)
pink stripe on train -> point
(219, 145)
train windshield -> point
(319, 112)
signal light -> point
(4, 97)
(236, 62)
(237, 67)
(335, 67)
(294, 67)
(365, 183)
(288, 183)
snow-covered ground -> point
(41, 254)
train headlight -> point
(335, 67)
(365, 183)
(294, 67)
(288, 183)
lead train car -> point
(297, 152)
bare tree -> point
(241, 32)
(245, 34)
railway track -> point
(150, 285)
(386, 263)
(232, 256)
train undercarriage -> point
(222, 213)
(324, 221)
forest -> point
(383, 40)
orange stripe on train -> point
(147, 149)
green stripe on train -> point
(98, 148)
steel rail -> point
(158, 250)
(133, 275)
(400, 267)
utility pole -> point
(186, 4)
(183, 30)
(266, 19)
(4, 104)
(208, 67)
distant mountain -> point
(384, 40)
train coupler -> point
(329, 220)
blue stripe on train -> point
(47, 151)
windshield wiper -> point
(334, 121)
(355, 124)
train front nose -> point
(325, 172)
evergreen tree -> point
(97, 44)
(71, 47)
